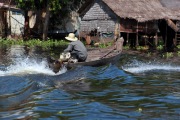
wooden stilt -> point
(166, 37)
(127, 38)
(156, 40)
(146, 35)
(175, 39)
(137, 38)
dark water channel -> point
(131, 89)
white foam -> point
(29, 66)
(140, 67)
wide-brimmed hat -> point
(71, 37)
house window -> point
(16, 13)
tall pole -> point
(137, 38)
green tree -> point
(43, 7)
(57, 8)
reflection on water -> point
(16, 51)
(133, 88)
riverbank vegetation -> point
(143, 50)
(34, 42)
(157, 53)
(48, 10)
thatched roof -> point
(172, 4)
(142, 10)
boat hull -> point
(99, 62)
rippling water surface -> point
(131, 89)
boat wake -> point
(142, 67)
(24, 66)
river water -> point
(133, 88)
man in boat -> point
(77, 50)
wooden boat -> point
(96, 57)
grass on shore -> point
(51, 42)
(159, 49)
(34, 42)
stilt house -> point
(132, 19)
(175, 6)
